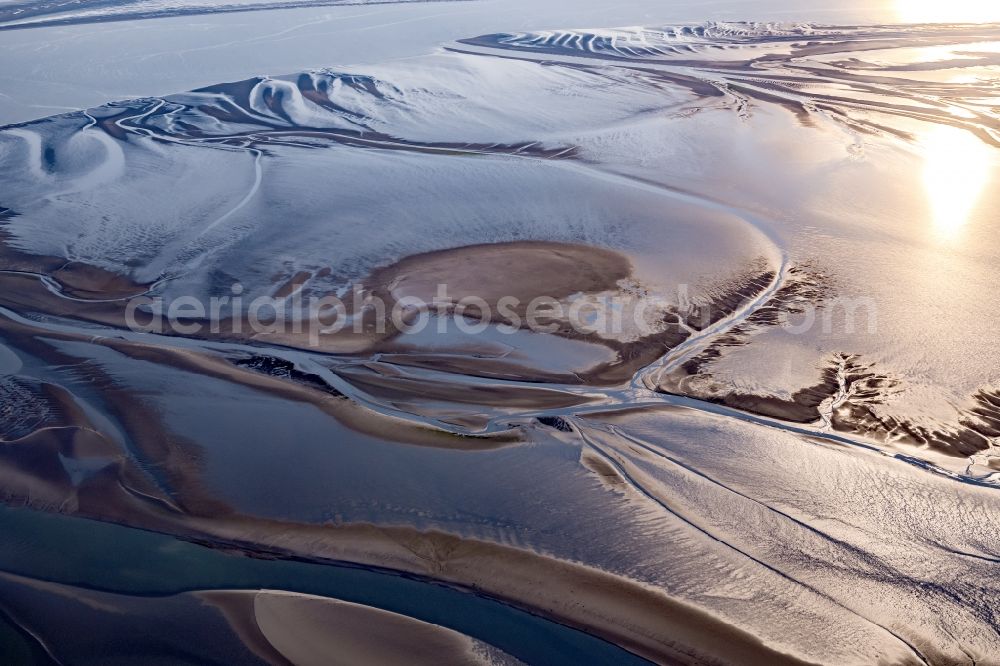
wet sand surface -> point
(313, 630)
(738, 472)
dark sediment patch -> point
(973, 431)
(284, 369)
(804, 287)
(851, 396)
(556, 422)
(801, 407)
(984, 415)
(727, 298)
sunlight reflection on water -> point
(957, 166)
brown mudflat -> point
(522, 269)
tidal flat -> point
(502, 343)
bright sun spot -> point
(956, 169)
(949, 11)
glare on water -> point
(957, 167)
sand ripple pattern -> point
(843, 73)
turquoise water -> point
(124, 560)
